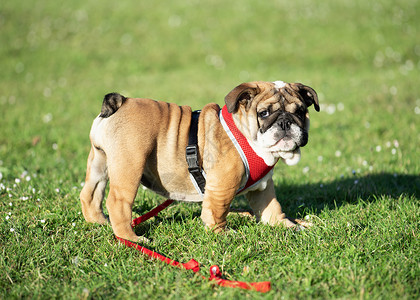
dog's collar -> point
(255, 167)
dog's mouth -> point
(291, 157)
(285, 144)
(286, 148)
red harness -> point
(255, 166)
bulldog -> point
(141, 141)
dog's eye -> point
(263, 114)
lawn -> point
(358, 177)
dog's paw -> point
(142, 240)
(97, 217)
(215, 228)
(299, 224)
(295, 224)
(242, 212)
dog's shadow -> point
(189, 211)
(298, 200)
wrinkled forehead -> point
(274, 95)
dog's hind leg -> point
(125, 172)
(93, 191)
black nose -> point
(284, 123)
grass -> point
(358, 177)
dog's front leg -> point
(266, 207)
(215, 208)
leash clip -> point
(215, 272)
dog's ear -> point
(241, 95)
(307, 93)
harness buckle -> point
(192, 157)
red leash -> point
(215, 274)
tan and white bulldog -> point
(142, 141)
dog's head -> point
(273, 116)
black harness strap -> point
(192, 153)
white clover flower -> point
(12, 230)
(393, 151)
(17, 180)
(42, 221)
(338, 153)
(10, 203)
(7, 218)
(28, 178)
(47, 118)
(305, 170)
(393, 90)
(330, 109)
(57, 190)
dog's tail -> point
(112, 102)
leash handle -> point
(193, 265)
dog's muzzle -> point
(289, 132)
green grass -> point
(358, 177)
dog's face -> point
(273, 115)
